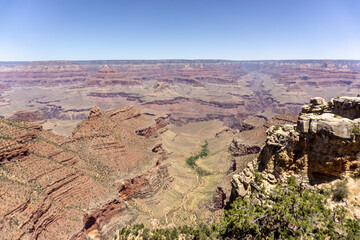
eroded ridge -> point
(55, 187)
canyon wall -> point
(55, 187)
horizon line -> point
(183, 59)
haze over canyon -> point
(88, 147)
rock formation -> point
(94, 112)
(238, 149)
(219, 198)
(55, 187)
(28, 116)
(153, 130)
(230, 91)
(322, 147)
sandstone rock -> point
(94, 112)
(281, 119)
(12, 151)
(241, 182)
(318, 101)
(326, 124)
(238, 149)
(318, 105)
(321, 149)
(154, 130)
(219, 198)
(348, 107)
(322, 145)
(75, 187)
(28, 115)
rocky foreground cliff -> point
(54, 187)
(322, 150)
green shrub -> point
(258, 177)
(356, 129)
(204, 152)
(291, 181)
(340, 191)
(284, 212)
(357, 174)
(191, 161)
(146, 234)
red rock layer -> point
(53, 187)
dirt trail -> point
(185, 198)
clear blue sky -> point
(173, 29)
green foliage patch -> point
(356, 129)
(191, 161)
(340, 191)
(285, 212)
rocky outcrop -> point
(28, 115)
(323, 146)
(348, 107)
(154, 130)
(11, 151)
(55, 187)
(94, 112)
(241, 182)
(238, 149)
(219, 198)
(281, 119)
(145, 185)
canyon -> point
(183, 90)
(88, 147)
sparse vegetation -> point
(201, 231)
(285, 212)
(276, 127)
(357, 174)
(5, 138)
(191, 161)
(356, 129)
(258, 177)
(291, 181)
(340, 191)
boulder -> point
(94, 112)
(348, 107)
(318, 101)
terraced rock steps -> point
(55, 187)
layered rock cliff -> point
(323, 147)
(76, 187)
